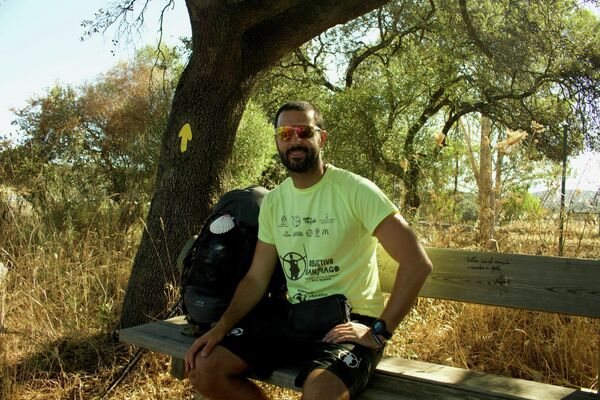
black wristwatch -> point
(379, 328)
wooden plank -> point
(382, 387)
(409, 379)
(284, 377)
(553, 284)
(386, 387)
(479, 382)
(398, 378)
(163, 337)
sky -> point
(40, 44)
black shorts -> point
(265, 343)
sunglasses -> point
(286, 132)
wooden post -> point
(178, 368)
(598, 365)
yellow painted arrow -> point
(186, 135)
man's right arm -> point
(248, 293)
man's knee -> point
(322, 384)
(218, 366)
(203, 372)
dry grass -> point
(60, 304)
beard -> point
(300, 164)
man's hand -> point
(351, 332)
(205, 344)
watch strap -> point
(380, 343)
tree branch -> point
(253, 12)
(435, 104)
(483, 106)
(312, 64)
(117, 13)
(467, 136)
(471, 31)
(359, 57)
(265, 43)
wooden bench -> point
(539, 283)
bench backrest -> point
(541, 283)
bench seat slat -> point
(382, 387)
(396, 378)
(474, 381)
(163, 337)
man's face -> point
(299, 155)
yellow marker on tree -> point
(186, 135)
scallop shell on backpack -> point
(223, 224)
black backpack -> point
(213, 263)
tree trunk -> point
(211, 98)
(486, 208)
(233, 41)
(497, 199)
(455, 186)
(412, 199)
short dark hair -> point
(301, 106)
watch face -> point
(380, 329)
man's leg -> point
(324, 385)
(218, 377)
(336, 371)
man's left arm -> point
(401, 243)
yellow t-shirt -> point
(324, 237)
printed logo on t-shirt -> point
(294, 265)
(283, 222)
(299, 297)
(309, 220)
(301, 226)
(327, 219)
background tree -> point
(89, 154)
(88, 147)
(253, 149)
(411, 70)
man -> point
(323, 224)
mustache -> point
(296, 148)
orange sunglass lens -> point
(302, 131)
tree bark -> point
(486, 208)
(233, 41)
(498, 182)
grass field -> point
(61, 297)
